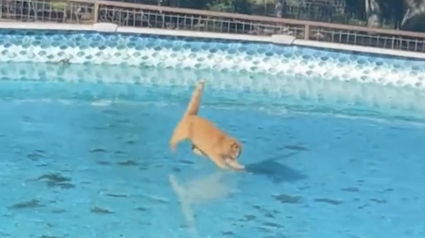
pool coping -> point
(274, 39)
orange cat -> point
(207, 140)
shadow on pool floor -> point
(275, 171)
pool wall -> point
(86, 46)
(275, 71)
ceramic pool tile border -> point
(275, 39)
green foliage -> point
(221, 6)
(239, 6)
(59, 6)
(296, 3)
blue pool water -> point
(84, 150)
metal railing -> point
(151, 16)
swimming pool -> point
(333, 141)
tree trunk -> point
(373, 13)
(278, 8)
(414, 18)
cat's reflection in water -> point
(197, 191)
